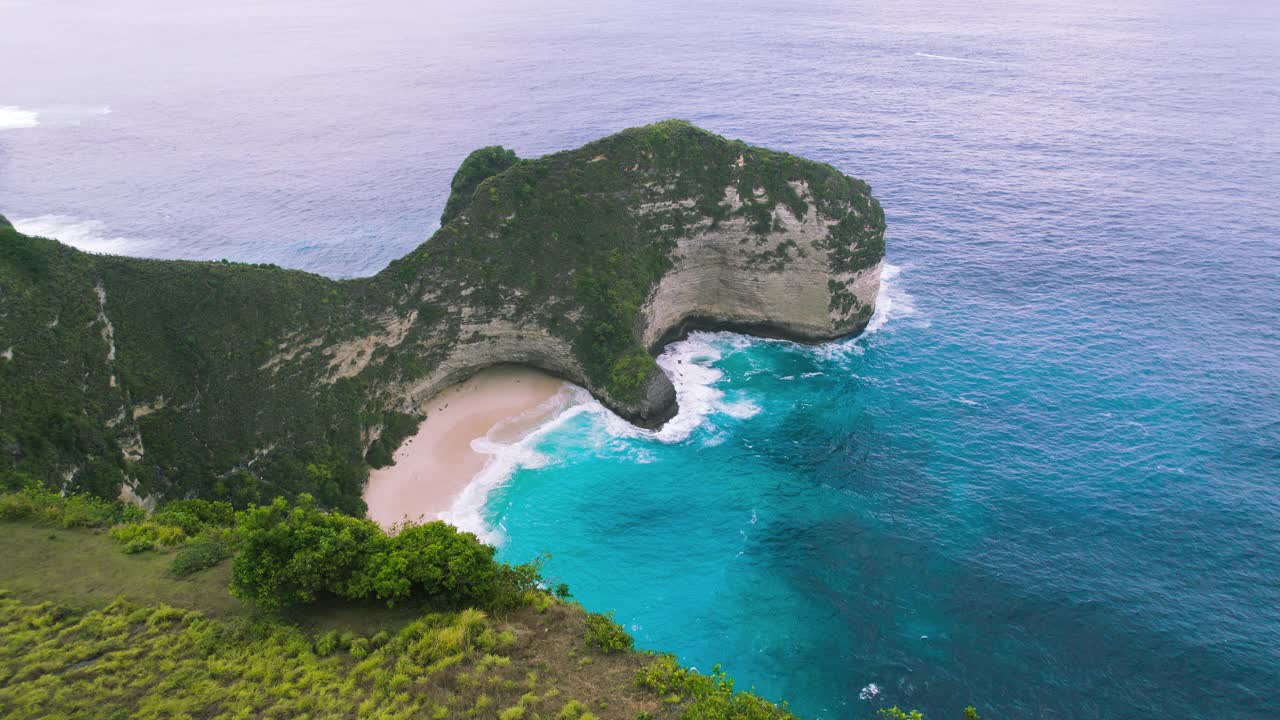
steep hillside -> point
(239, 382)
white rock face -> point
(775, 285)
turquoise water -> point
(1045, 525)
(1048, 484)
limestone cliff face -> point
(242, 382)
(794, 267)
(780, 285)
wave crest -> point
(13, 117)
(87, 235)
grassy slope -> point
(70, 648)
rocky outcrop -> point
(719, 282)
(585, 263)
(778, 285)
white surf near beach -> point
(690, 363)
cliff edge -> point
(242, 382)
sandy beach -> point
(432, 468)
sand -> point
(432, 468)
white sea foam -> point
(893, 303)
(87, 235)
(741, 409)
(953, 59)
(467, 511)
(690, 365)
(868, 692)
(13, 117)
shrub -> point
(327, 643)
(194, 515)
(572, 710)
(605, 634)
(153, 535)
(289, 555)
(359, 648)
(710, 696)
(138, 545)
(206, 550)
(35, 503)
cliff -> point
(241, 382)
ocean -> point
(1046, 482)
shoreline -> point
(431, 470)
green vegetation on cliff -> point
(237, 382)
(151, 370)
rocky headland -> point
(242, 382)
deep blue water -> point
(1047, 485)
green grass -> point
(87, 630)
(87, 569)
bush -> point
(572, 710)
(327, 643)
(147, 535)
(138, 545)
(195, 515)
(607, 635)
(35, 503)
(710, 696)
(359, 648)
(894, 713)
(290, 555)
(287, 556)
(206, 550)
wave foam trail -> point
(467, 511)
(87, 235)
(690, 365)
(13, 117)
(953, 59)
(893, 302)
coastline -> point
(432, 469)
